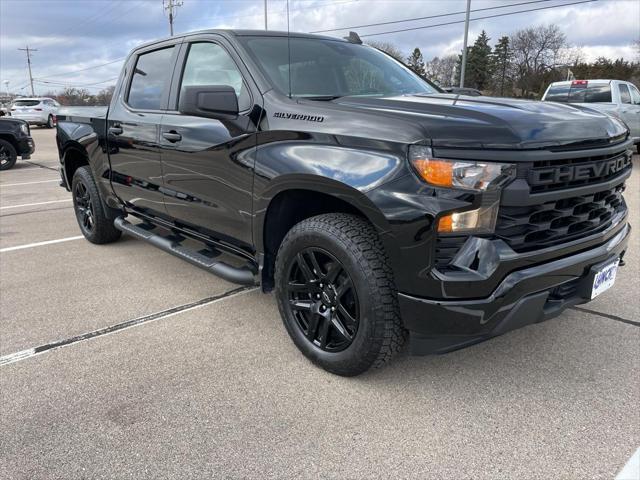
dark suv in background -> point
(15, 140)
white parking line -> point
(631, 471)
(39, 244)
(34, 204)
(27, 183)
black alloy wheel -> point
(336, 294)
(323, 300)
(84, 207)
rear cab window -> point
(580, 91)
(150, 79)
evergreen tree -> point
(501, 63)
(478, 71)
(415, 62)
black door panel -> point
(208, 174)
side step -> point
(172, 245)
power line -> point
(28, 50)
(426, 18)
(477, 18)
(74, 84)
(82, 69)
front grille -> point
(547, 169)
(558, 221)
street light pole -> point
(265, 15)
(464, 46)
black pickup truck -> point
(375, 205)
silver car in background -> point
(36, 111)
(615, 97)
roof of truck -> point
(244, 33)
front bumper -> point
(26, 147)
(523, 297)
(31, 119)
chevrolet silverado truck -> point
(15, 141)
(377, 207)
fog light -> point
(481, 220)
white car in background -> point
(615, 97)
(36, 111)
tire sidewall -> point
(13, 155)
(49, 123)
(342, 249)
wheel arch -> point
(290, 202)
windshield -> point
(26, 103)
(329, 68)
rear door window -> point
(150, 79)
(635, 95)
(625, 95)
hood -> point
(490, 122)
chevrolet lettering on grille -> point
(582, 171)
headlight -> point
(464, 174)
(24, 128)
(481, 220)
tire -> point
(50, 123)
(92, 219)
(8, 155)
(360, 326)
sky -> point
(82, 43)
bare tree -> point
(389, 48)
(536, 54)
(442, 70)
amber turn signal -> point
(435, 172)
(445, 224)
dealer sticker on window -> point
(605, 278)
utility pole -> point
(464, 46)
(170, 5)
(265, 15)
(29, 51)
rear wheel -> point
(50, 122)
(336, 294)
(94, 224)
(8, 155)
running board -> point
(172, 244)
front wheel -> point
(50, 122)
(94, 224)
(8, 155)
(336, 294)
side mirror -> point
(209, 101)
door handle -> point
(172, 136)
(115, 130)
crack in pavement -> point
(40, 165)
(30, 352)
(607, 315)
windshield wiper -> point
(322, 98)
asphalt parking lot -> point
(208, 383)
